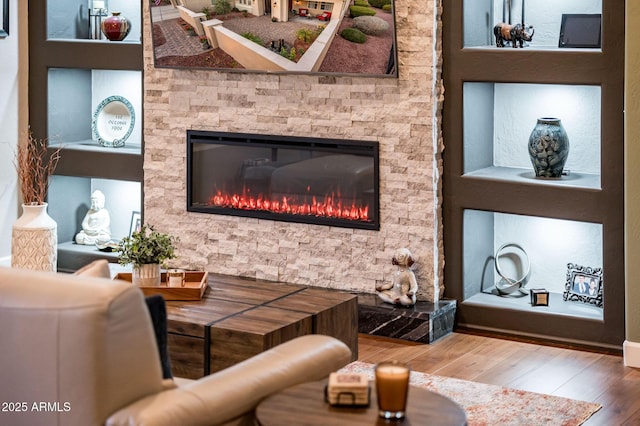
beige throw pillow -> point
(95, 269)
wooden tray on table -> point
(194, 286)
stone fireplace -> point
(401, 116)
(293, 179)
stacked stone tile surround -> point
(403, 115)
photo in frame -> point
(4, 19)
(136, 222)
(584, 284)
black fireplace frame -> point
(370, 148)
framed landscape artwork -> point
(294, 36)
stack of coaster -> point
(348, 389)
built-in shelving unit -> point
(73, 69)
(492, 197)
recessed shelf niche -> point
(550, 244)
(480, 16)
(70, 123)
(70, 20)
(499, 117)
(70, 199)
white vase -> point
(146, 275)
(34, 240)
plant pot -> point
(34, 240)
(146, 275)
(116, 27)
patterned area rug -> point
(490, 405)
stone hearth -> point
(424, 323)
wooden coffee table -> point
(238, 318)
(305, 404)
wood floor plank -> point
(481, 359)
(606, 371)
(522, 362)
(441, 354)
(620, 405)
(547, 377)
(374, 349)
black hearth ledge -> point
(425, 322)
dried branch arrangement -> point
(35, 167)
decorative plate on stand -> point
(113, 121)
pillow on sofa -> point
(95, 269)
(155, 305)
(158, 312)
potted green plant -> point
(146, 250)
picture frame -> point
(136, 222)
(4, 19)
(113, 121)
(287, 38)
(580, 30)
(584, 284)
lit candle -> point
(392, 384)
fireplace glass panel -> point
(308, 180)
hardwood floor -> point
(572, 373)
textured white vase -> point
(146, 275)
(34, 240)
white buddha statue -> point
(96, 223)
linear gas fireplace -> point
(294, 179)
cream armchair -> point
(81, 351)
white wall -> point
(550, 245)
(122, 198)
(9, 131)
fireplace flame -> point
(331, 206)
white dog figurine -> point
(403, 288)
